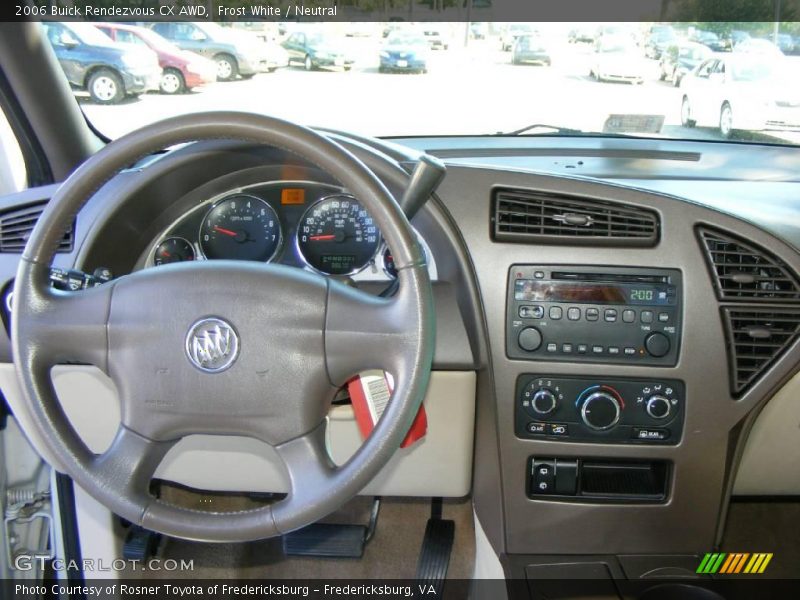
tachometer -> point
(241, 227)
(173, 249)
(337, 236)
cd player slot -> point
(609, 277)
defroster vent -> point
(756, 338)
(17, 223)
(743, 271)
(531, 217)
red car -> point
(181, 70)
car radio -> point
(598, 314)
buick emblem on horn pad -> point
(212, 345)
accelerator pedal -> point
(332, 540)
(434, 556)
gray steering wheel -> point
(250, 349)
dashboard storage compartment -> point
(598, 479)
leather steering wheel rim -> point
(328, 333)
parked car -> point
(658, 41)
(616, 58)
(531, 49)
(740, 91)
(786, 43)
(437, 39)
(181, 70)
(710, 39)
(404, 51)
(92, 61)
(316, 50)
(680, 59)
(235, 52)
(759, 47)
(581, 34)
(512, 32)
(478, 31)
(737, 37)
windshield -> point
(89, 34)
(479, 79)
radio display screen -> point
(533, 290)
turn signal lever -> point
(425, 178)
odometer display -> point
(337, 236)
(241, 227)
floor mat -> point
(766, 527)
(392, 553)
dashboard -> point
(616, 343)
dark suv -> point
(93, 62)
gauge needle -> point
(225, 231)
(322, 238)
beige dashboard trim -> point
(438, 465)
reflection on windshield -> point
(485, 78)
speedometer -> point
(337, 236)
(241, 227)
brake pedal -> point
(140, 544)
(332, 540)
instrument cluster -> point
(311, 225)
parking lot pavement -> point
(472, 90)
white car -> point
(740, 92)
(617, 58)
(513, 32)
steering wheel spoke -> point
(63, 326)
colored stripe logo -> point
(732, 563)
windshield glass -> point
(480, 78)
(89, 34)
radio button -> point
(647, 316)
(555, 312)
(529, 339)
(613, 350)
(566, 348)
(597, 349)
(663, 317)
(531, 312)
(630, 351)
(610, 315)
(583, 348)
(628, 316)
(573, 313)
(551, 347)
(657, 344)
(592, 314)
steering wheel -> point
(223, 347)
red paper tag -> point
(370, 394)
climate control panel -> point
(621, 411)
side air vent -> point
(16, 225)
(743, 271)
(530, 217)
(755, 339)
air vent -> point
(755, 340)
(16, 225)
(529, 217)
(743, 271)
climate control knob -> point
(658, 407)
(600, 411)
(544, 402)
(530, 339)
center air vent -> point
(743, 271)
(17, 223)
(755, 339)
(530, 217)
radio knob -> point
(544, 402)
(529, 339)
(658, 407)
(600, 411)
(657, 344)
